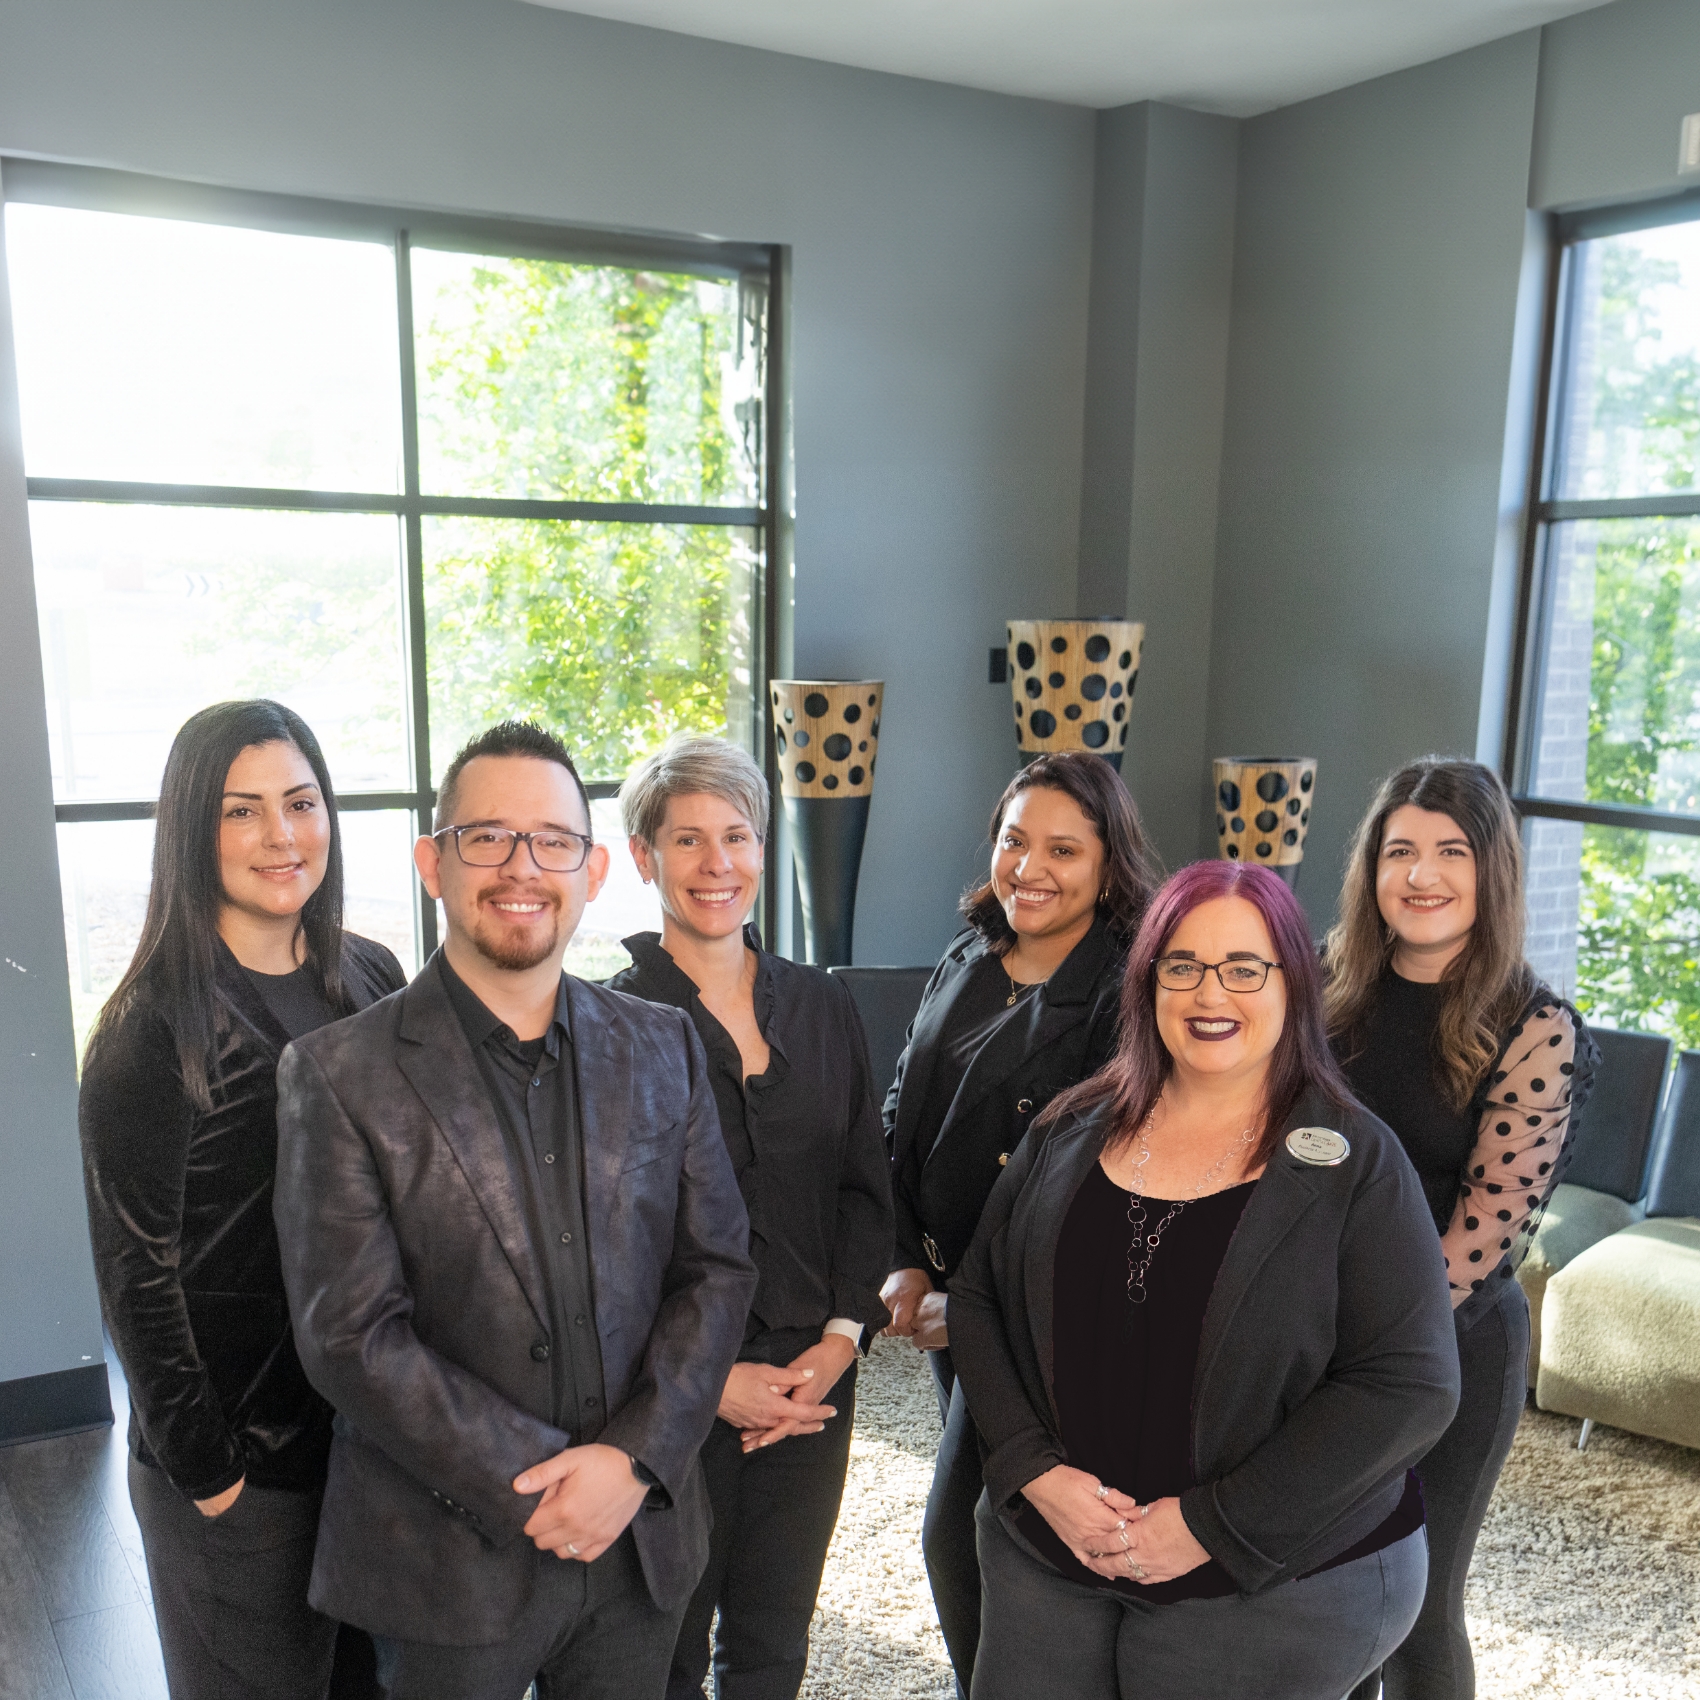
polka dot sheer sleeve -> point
(1520, 1150)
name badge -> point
(1320, 1146)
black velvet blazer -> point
(180, 1213)
(420, 1312)
(942, 1176)
(1326, 1368)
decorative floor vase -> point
(827, 735)
(1072, 681)
(1263, 810)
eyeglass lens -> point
(491, 846)
(1180, 975)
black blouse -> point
(1124, 1372)
(1392, 1072)
(185, 1249)
(805, 1142)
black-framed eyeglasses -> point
(1186, 974)
(554, 851)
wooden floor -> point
(76, 1616)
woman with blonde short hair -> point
(788, 1065)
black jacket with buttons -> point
(943, 1175)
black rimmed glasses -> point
(555, 851)
(1240, 974)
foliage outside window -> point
(229, 498)
(1619, 726)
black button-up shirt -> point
(805, 1141)
(534, 1091)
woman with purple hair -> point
(1204, 1332)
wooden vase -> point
(826, 736)
(1263, 806)
(1072, 681)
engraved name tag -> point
(1319, 1145)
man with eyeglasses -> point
(517, 1260)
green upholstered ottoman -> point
(1621, 1332)
(1576, 1218)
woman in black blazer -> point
(1022, 1006)
(1204, 1332)
(241, 952)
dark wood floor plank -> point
(112, 1654)
(30, 1665)
(115, 1489)
(55, 1489)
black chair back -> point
(1673, 1173)
(1609, 1153)
(886, 1000)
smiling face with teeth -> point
(1425, 888)
(1047, 867)
(706, 864)
(517, 917)
(1209, 1031)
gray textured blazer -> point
(1328, 1363)
(417, 1301)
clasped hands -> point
(771, 1402)
(918, 1311)
(1112, 1535)
(590, 1493)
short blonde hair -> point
(686, 765)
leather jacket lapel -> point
(436, 1058)
(1065, 1002)
(605, 1076)
(924, 1046)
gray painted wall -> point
(1377, 262)
(47, 1299)
(1162, 286)
(1615, 85)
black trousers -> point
(774, 1513)
(230, 1592)
(590, 1632)
(947, 1531)
(1458, 1477)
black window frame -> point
(1564, 232)
(99, 190)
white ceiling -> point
(1234, 56)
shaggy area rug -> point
(1586, 1584)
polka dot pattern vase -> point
(826, 735)
(1263, 806)
(1073, 681)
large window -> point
(1610, 763)
(406, 476)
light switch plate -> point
(1688, 150)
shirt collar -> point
(479, 1023)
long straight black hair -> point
(175, 965)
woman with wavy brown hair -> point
(1448, 1035)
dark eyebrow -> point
(1440, 843)
(258, 797)
(1242, 956)
(1193, 954)
(547, 826)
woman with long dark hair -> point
(1448, 1034)
(242, 950)
(1203, 1331)
(1022, 1006)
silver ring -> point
(1145, 1511)
(1126, 1543)
(572, 1549)
(1103, 1491)
(1136, 1571)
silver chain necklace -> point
(1143, 1246)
